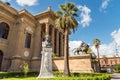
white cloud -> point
(85, 16)
(116, 36)
(104, 49)
(104, 5)
(26, 2)
(110, 49)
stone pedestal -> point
(46, 64)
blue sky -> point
(97, 19)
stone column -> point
(47, 28)
(62, 45)
(57, 40)
(59, 43)
(53, 38)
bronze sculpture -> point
(82, 48)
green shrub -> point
(25, 68)
(58, 76)
(84, 76)
(116, 68)
(16, 74)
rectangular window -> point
(28, 40)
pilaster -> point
(47, 28)
(19, 37)
(16, 58)
(37, 41)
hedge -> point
(58, 76)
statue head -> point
(47, 37)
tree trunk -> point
(66, 55)
(98, 59)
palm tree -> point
(105, 59)
(96, 43)
(66, 21)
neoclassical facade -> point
(21, 36)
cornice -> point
(8, 8)
(112, 58)
(7, 12)
(85, 56)
(47, 13)
(25, 14)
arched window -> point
(28, 40)
(4, 30)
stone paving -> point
(115, 76)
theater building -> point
(21, 36)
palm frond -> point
(74, 14)
(96, 42)
(66, 18)
(70, 6)
(63, 8)
(75, 9)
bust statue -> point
(47, 42)
(46, 60)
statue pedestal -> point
(46, 64)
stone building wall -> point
(20, 24)
(109, 61)
(80, 63)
